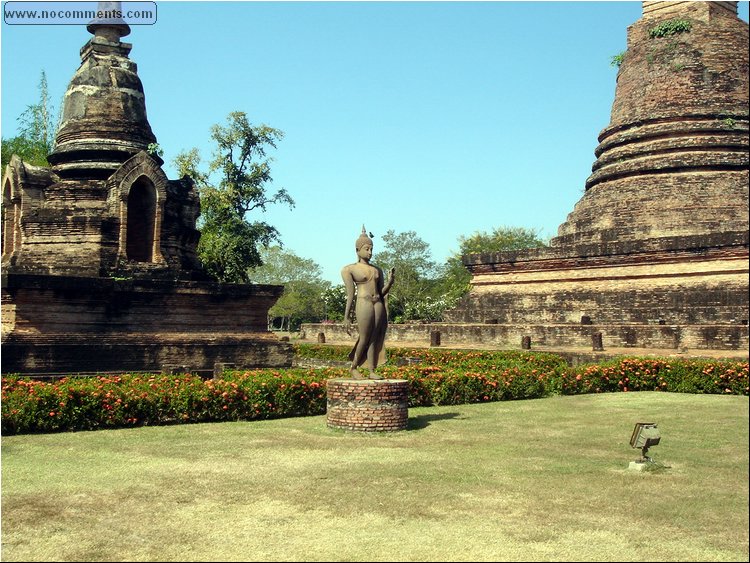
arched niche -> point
(11, 211)
(137, 197)
(8, 220)
(141, 221)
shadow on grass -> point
(424, 420)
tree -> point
(416, 272)
(501, 239)
(230, 241)
(304, 289)
(456, 278)
(335, 302)
(36, 136)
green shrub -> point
(327, 352)
(435, 385)
(617, 59)
(670, 27)
(436, 377)
(134, 400)
(647, 374)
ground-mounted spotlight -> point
(645, 435)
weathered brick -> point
(655, 254)
(367, 405)
(99, 259)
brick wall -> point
(55, 324)
(639, 337)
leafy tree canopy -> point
(501, 239)
(416, 271)
(408, 253)
(335, 302)
(233, 188)
(456, 278)
(304, 289)
(36, 136)
(282, 266)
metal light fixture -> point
(645, 435)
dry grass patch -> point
(536, 480)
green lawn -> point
(535, 480)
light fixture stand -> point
(645, 435)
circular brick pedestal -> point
(368, 405)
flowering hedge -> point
(436, 377)
(640, 374)
(86, 403)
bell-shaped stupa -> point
(655, 254)
(674, 159)
(100, 271)
(104, 119)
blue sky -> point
(445, 118)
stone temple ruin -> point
(99, 264)
(655, 254)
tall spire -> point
(104, 119)
(110, 25)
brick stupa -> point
(99, 264)
(655, 254)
